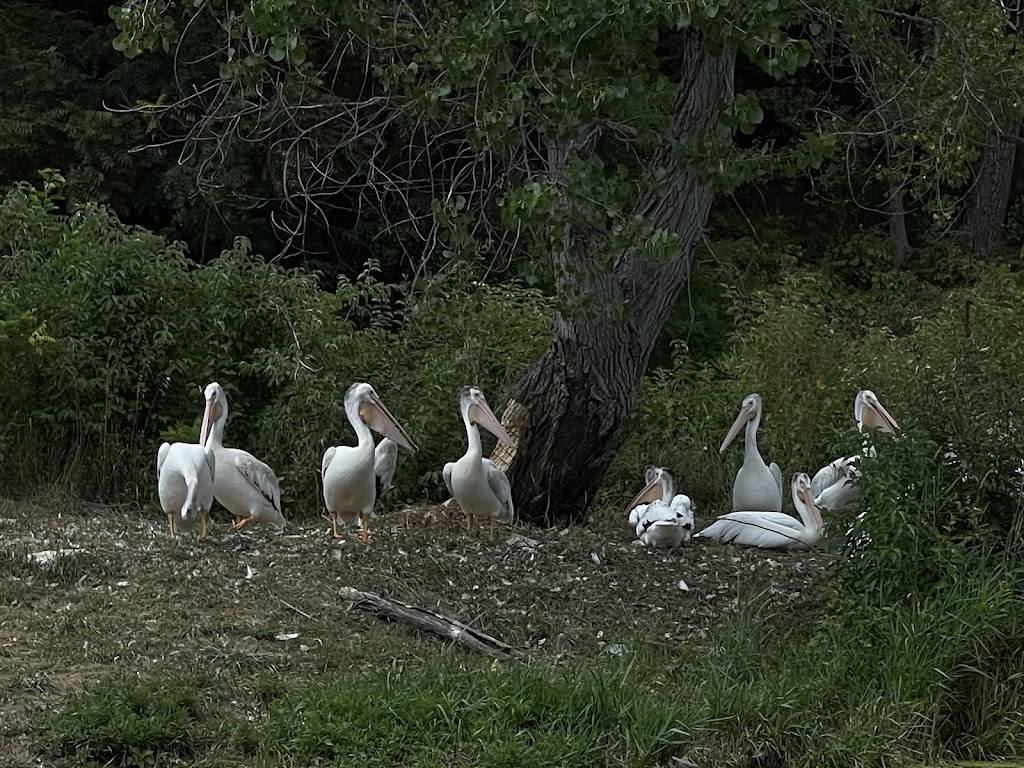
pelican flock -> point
(353, 475)
(190, 476)
(773, 530)
(244, 485)
(758, 486)
(834, 485)
(660, 516)
(480, 488)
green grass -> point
(904, 690)
(139, 651)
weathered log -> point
(434, 623)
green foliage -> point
(134, 726)
(116, 333)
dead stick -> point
(428, 621)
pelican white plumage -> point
(185, 477)
(246, 486)
(758, 486)
(354, 474)
(834, 485)
(479, 487)
(660, 516)
(773, 530)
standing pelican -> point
(184, 478)
(834, 485)
(667, 520)
(758, 486)
(246, 486)
(479, 487)
(773, 530)
(354, 474)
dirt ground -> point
(90, 591)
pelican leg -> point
(334, 525)
(470, 523)
(170, 524)
(494, 524)
(202, 523)
(244, 521)
(365, 521)
(237, 524)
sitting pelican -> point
(757, 487)
(667, 519)
(479, 487)
(354, 474)
(184, 478)
(833, 485)
(773, 530)
(246, 486)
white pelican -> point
(184, 478)
(758, 486)
(479, 487)
(246, 486)
(773, 530)
(354, 474)
(667, 519)
(834, 485)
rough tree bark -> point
(989, 197)
(897, 215)
(581, 392)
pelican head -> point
(872, 414)
(475, 411)
(661, 486)
(803, 500)
(364, 403)
(749, 411)
(216, 410)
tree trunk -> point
(580, 393)
(897, 215)
(989, 197)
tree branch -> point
(434, 623)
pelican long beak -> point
(651, 492)
(380, 420)
(886, 422)
(480, 413)
(737, 425)
(807, 498)
(204, 431)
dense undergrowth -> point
(109, 333)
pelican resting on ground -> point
(834, 485)
(661, 517)
(758, 486)
(353, 475)
(184, 479)
(773, 530)
(246, 486)
(476, 484)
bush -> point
(114, 333)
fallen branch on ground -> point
(428, 621)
